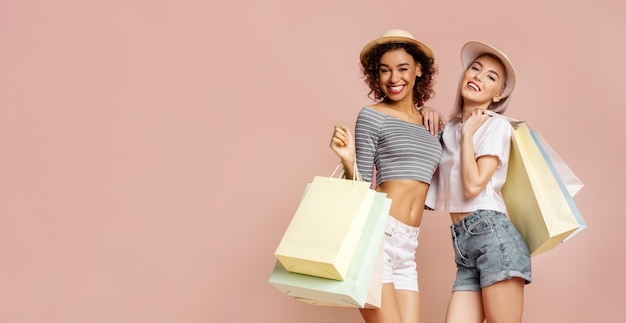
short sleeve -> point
(431, 195)
(366, 140)
(495, 140)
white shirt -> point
(446, 194)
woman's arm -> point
(475, 172)
(342, 143)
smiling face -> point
(483, 81)
(397, 73)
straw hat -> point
(394, 36)
(473, 49)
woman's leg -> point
(409, 305)
(465, 307)
(399, 269)
(389, 311)
(504, 301)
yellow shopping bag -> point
(323, 234)
(362, 286)
(538, 204)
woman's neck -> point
(469, 107)
(406, 106)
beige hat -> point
(473, 49)
(394, 36)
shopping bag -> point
(374, 291)
(568, 182)
(362, 286)
(325, 229)
(537, 206)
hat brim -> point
(392, 39)
(473, 49)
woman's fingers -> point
(341, 136)
(433, 120)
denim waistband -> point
(474, 217)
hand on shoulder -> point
(434, 121)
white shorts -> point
(399, 265)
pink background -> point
(153, 152)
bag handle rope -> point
(342, 174)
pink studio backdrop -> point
(153, 152)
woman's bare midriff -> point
(456, 217)
(407, 200)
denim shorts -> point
(399, 265)
(488, 249)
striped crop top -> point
(394, 148)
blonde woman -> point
(493, 261)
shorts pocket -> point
(481, 227)
(517, 238)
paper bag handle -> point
(343, 171)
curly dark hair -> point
(423, 89)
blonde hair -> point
(497, 107)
